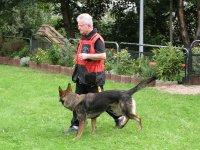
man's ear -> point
(69, 88)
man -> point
(89, 74)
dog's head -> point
(62, 93)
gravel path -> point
(178, 88)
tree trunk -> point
(67, 18)
(197, 37)
(182, 24)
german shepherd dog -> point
(91, 105)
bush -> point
(54, 54)
(123, 63)
(63, 57)
(40, 56)
(13, 45)
(109, 61)
(24, 52)
(195, 59)
(169, 60)
(142, 68)
(69, 53)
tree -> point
(69, 10)
(126, 25)
(22, 18)
(182, 24)
(197, 36)
(190, 25)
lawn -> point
(31, 117)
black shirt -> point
(99, 46)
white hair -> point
(87, 19)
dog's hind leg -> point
(129, 110)
(94, 127)
(137, 118)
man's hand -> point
(83, 56)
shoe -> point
(120, 122)
(71, 129)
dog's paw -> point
(76, 139)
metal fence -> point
(133, 49)
(192, 59)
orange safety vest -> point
(88, 45)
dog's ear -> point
(69, 88)
(60, 91)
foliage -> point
(126, 24)
(169, 60)
(24, 52)
(138, 64)
(40, 56)
(70, 53)
(109, 61)
(148, 71)
(123, 63)
(195, 59)
(54, 54)
(196, 50)
(14, 47)
(23, 19)
(142, 68)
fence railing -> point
(133, 48)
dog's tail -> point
(141, 85)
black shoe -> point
(120, 122)
(71, 129)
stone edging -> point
(69, 71)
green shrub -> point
(70, 53)
(148, 71)
(109, 61)
(195, 59)
(123, 63)
(54, 54)
(169, 60)
(40, 56)
(138, 64)
(24, 52)
(142, 68)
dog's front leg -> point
(81, 128)
(94, 127)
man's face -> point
(83, 28)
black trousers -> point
(84, 89)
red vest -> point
(90, 65)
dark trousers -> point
(84, 89)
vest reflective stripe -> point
(90, 65)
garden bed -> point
(171, 87)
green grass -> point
(31, 117)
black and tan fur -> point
(91, 105)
